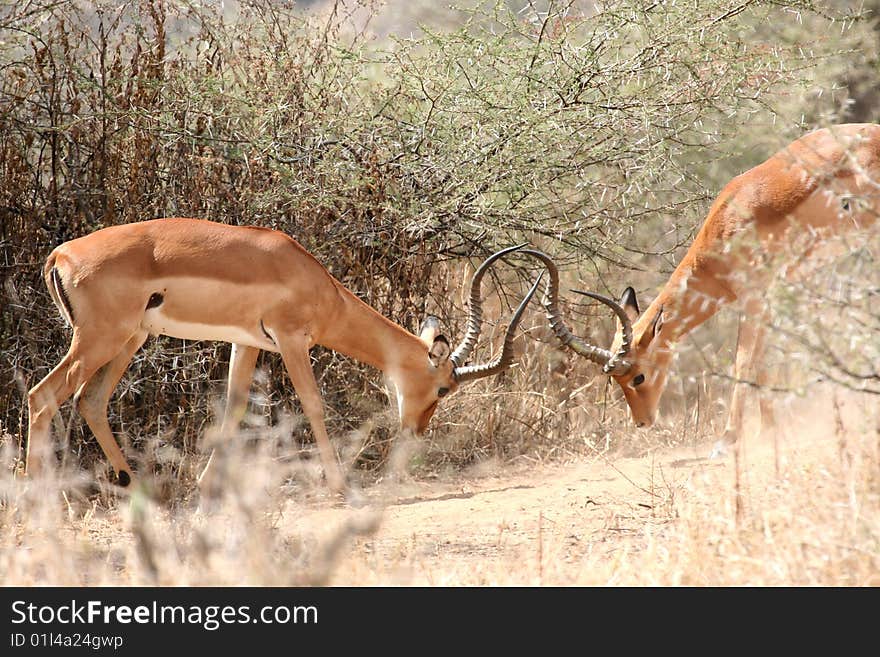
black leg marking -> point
(265, 332)
(155, 301)
(124, 478)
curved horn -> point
(611, 363)
(503, 361)
(475, 318)
(616, 364)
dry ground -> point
(809, 514)
(584, 523)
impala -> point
(822, 184)
(254, 287)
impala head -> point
(642, 362)
(442, 370)
(420, 390)
(637, 360)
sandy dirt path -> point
(668, 516)
(528, 526)
(568, 524)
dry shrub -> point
(388, 158)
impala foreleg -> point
(296, 359)
(242, 362)
(92, 402)
(765, 378)
(750, 349)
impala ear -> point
(630, 304)
(436, 342)
(653, 329)
(439, 351)
(657, 324)
(429, 331)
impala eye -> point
(638, 379)
(443, 392)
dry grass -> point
(666, 517)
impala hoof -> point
(123, 478)
(355, 499)
(719, 451)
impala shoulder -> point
(772, 190)
(869, 145)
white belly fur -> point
(158, 324)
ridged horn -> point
(505, 358)
(617, 364)
(475, 309)
(611, 363)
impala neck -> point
(701, 284)
(362, 333)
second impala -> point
(776, 215)
(254, 287)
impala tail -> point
(56, 289)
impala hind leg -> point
(296, 359)
(749, 360)
(765, 378)
(242, 362)
(84, 357)
(92, 400)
